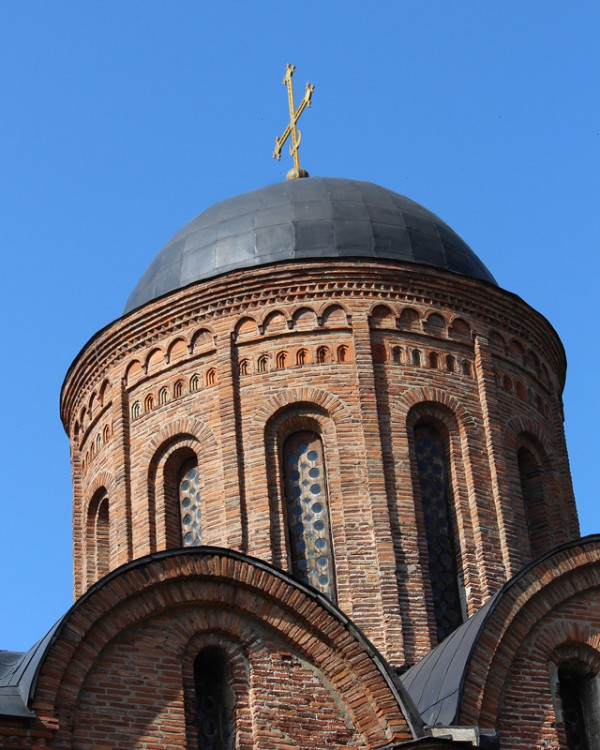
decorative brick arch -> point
(237, 326)
(464, 434)
(285, 412)
(299, 312)
(188, 437)
(553, 603)
(520, 425)
(173, 597)
(235, 646)
(422, 396)
(200, 329)
(150, 359)
(286, 421)
(102, 486)
(194, 427)
(391, 307)
(270, 314)
(522, 432)
(103, 479)
(329, 307)
(332, 405)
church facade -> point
(321, 497)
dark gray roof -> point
(318, 218)
(435, 683)
(17, 674)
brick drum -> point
(359, 351)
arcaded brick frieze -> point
(288, 284)
(221, 373)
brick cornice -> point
(295, 284)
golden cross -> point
(291, 129)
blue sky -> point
(123, 120)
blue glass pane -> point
(308, 519)
(437, 515)
(189, 503)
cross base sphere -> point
(296, 174)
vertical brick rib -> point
(494, 448)
(375, 497)
(120, 505)
(231, 445)
(79, 561)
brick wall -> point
(549, 616)
(120, 671)
(226, 368)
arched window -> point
(450, 363)
(342, 353)
(323, 355)
(307, 511)
(436, 499)
(416, 357)
(579, 697)
(102, 538)
(532, 490)
(215, 700)
(189, 504)
(98, 536)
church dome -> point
(315, 218)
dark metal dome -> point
(318, 217)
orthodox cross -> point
(291, 129)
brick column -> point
(503, 492)
(231, 445)
(80, 562)
(120, 505)
(375, 497)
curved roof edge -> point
(16, 679)
(436, 682)
(18, 682)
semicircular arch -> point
(224, 589)
(529, 600)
